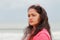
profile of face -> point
(33, 17)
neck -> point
(33, 30)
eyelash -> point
(31, 14)
(28, 15)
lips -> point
(30, 21)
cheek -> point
(36, 21)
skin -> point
(33, 17)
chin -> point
(31, 24)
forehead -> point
(32, 11)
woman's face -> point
(33, 17)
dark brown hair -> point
(42, 24)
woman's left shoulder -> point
(42, 35)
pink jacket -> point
(42, 35)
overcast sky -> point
(13, 13)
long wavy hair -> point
(42, 24)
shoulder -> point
(42, 35)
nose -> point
(30, 18)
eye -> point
(28, 15)
(33, 15)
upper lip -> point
(31, 21)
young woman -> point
(38, 28)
